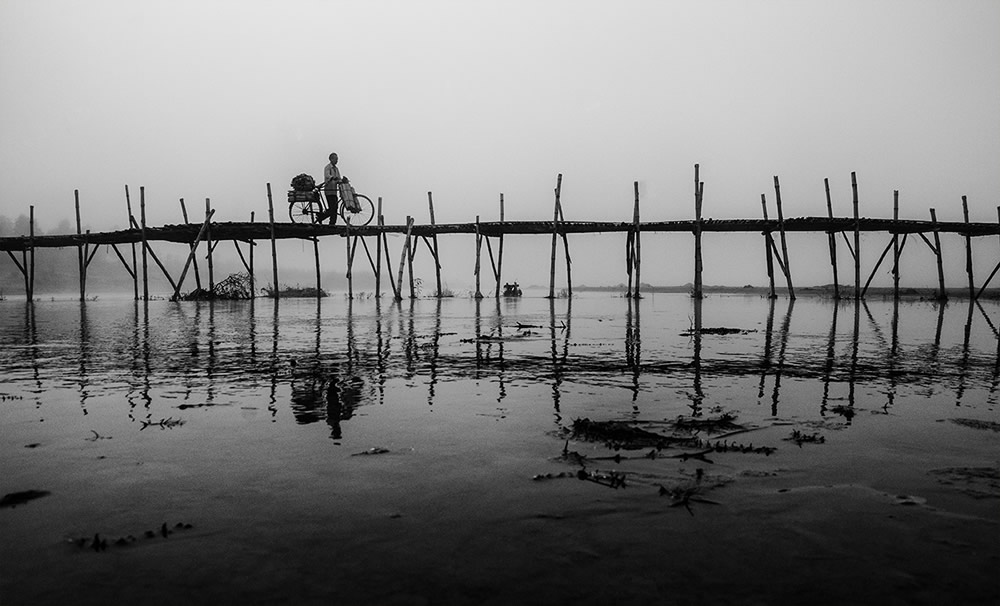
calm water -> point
(444, 466)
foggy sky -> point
(196, 99)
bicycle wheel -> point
(299, 210)
(364, 215)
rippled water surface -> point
(435, 451)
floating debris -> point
(97, 437)
(99, 543)
(725, 422)
(977, 424)
(168, 423)
(716, 331)
(801, 438)
(375, 450)
(619, 435)
(611, 479)
(14, 499)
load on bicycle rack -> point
(309, 203)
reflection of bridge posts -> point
(893, 346)
(855, 345)
(633, 348)
(31, 337)
(272, 402)
(84, 349)
(558, 362)
(380, 351)
(831, 351)
(210, 367)
(134, 364)
(963, 368)
(501, 372)
(766, 361)
(785, 324)
(699, 395)
(434, 350)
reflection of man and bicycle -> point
(312, 203)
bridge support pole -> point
(80, 252)
(135, 266)
(145, 244)
(378, 250)
(274, 249)
(786, 265)
(768, 246)
(942, 294)
(636, 247)
(496, 292)
(555, 234)
(832, 237)
(895, 245)
(857, 239)
(968, 248)
(699, 189)
(434, 241)
(197, 272)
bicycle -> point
(354, 208)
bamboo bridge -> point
(773, 231)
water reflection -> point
(326, 358)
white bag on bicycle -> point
(348, 197)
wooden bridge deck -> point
(245, 231)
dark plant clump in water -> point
(235, 287)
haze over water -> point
(463, 451)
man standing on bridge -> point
(331, 181)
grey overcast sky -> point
(470, 99)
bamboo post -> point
(895, 245)
(786, 264)
(210, 246)
(768, 245)
(253, 281)
(555, 235)
(80, 253)
(479, 249)
(499, 252)
(996, 268)
(350, 263)
(942, 292)
(968, 247)
(30, 274)
(434, 240)
(145, 244)
(637, 249)
(402, 258)
(857, 238)
(191, 255)
(197, 272)
(274, 248)
(411, 251)
(378, 251)
(697, 234)
(569, 261)
(135, 273)
(833, 241)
